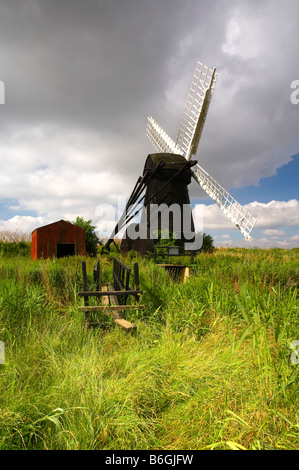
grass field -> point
(208, 368)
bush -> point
(15, 248)
(91, 239)
(207, 243)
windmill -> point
(174, 162)
(187, 141)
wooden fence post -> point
(97, 276)
(136, 276)
(86, 299)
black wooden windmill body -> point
(166, 177)
(167, 174)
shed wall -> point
(45, 239)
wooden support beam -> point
(109, 293)
(84, 274)
(116, 315)
(125, 324)
(95, 308)
(113, 297)
(136, 276)
(97, 275)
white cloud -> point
(227, 242)
(73, 123)
(271, 217)
(21, 224)
(261, 242)
(214, 219)
(276, 214)
(295, 238)
(273, 232)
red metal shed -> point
(57, 239)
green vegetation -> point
(207, 243)
(15, 248)
(91, 238)
(208, 368)
(166, 239)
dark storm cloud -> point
(81, 77)
(99, 67)
(86, 63)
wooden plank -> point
(96, 275)
(109, 296)
(113, 298)
(125, 324)
(86, 299)
(117, 317)
(119, 262)
(136, 276)
(106, 301)
(118, 283)
(111, 307)
(84, 274)
(108, 293)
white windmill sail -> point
(196, 109)
(160, 140)
(187, 141)
(228, 205)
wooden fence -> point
(121, 280)
(113, 296)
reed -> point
(209, 366)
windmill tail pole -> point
(134, 195)
(135, 199)
(106, 247)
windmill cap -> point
(170, 161)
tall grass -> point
(209, 366)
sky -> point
(79, 79)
